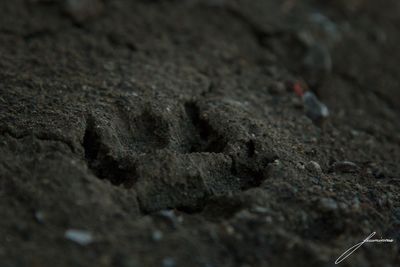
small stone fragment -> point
(344, 167)
(157, 235)
(168, 262)
(170, 216)
(355, 203)
(328, 204)
(229, 229)
(314, 109)
(81, 237)
(260, 210)
(39, 217)
(300, 166)
(314, 168)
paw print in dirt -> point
(181, 158)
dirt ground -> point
(168, 133)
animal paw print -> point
(200, 150)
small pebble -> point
(39, 217)
(344, 167)
(168, 262)
(229, 229)
(81, 237)
(328, 204)
(355, 203)
(314, 167)
(315, 109)
(260, 210)
(300, 166)
(171, 217)
(157, 235)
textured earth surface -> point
(169, 132)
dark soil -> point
(170, 132)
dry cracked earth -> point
(167, 133)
